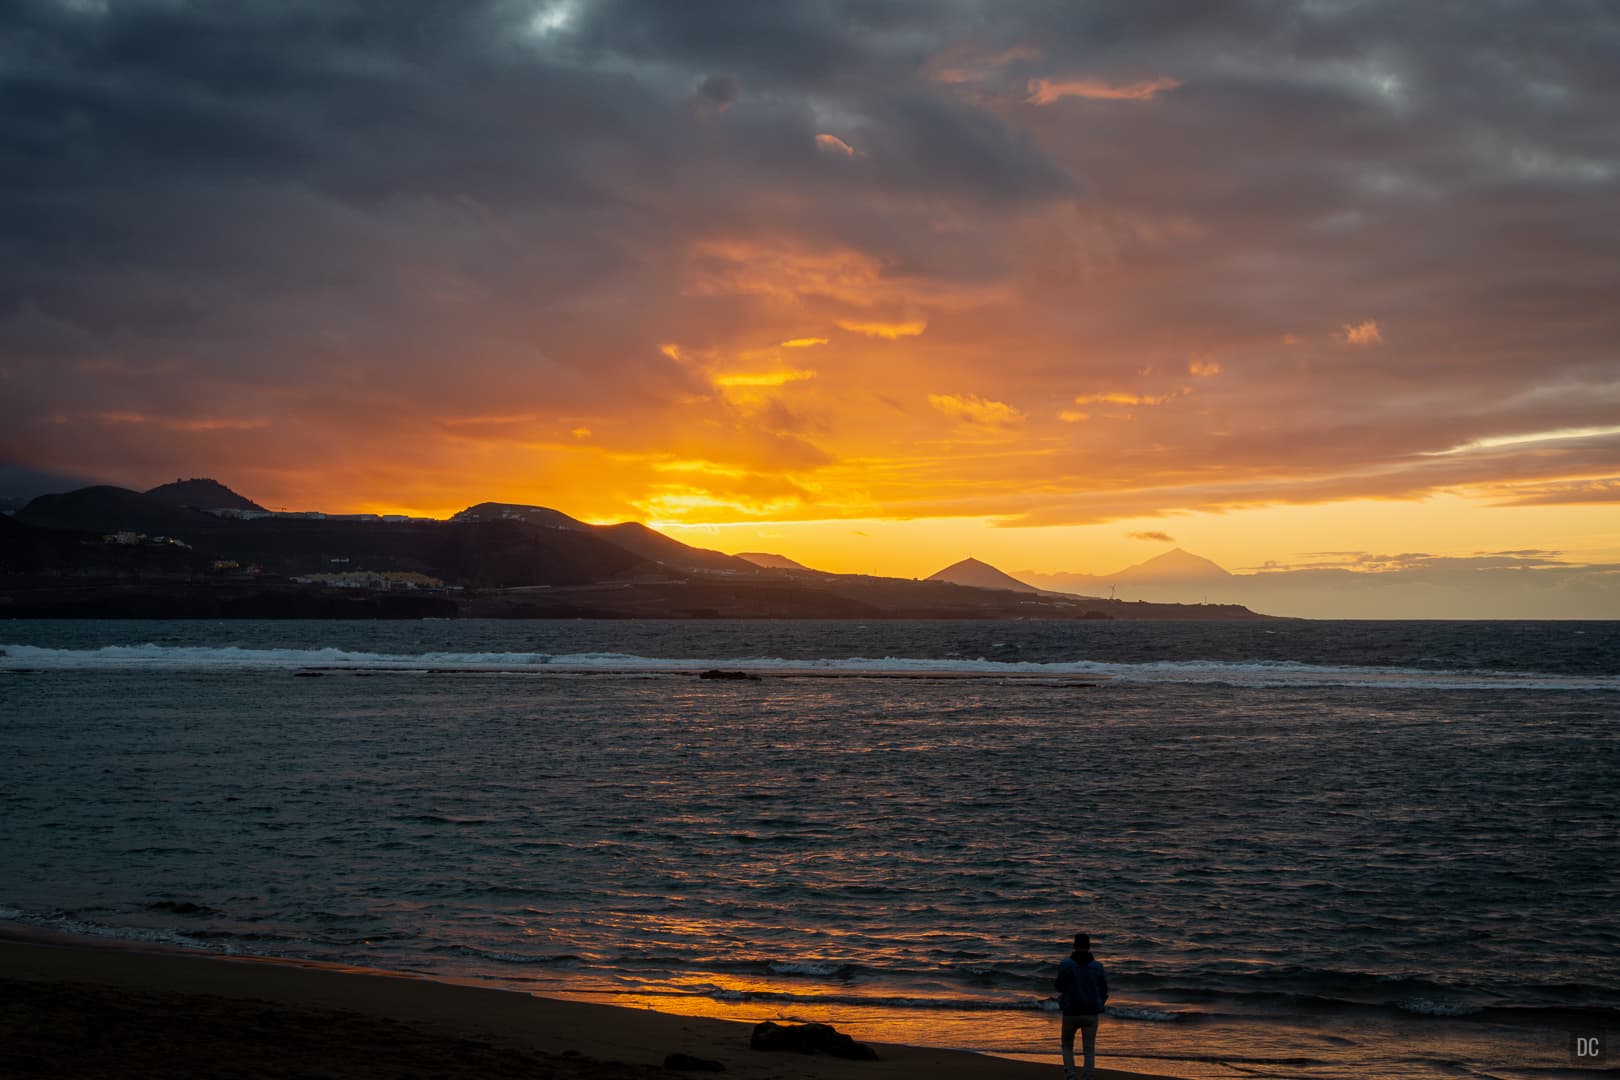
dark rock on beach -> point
(809, 1039)
(732, 676)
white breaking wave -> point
(1252, 673)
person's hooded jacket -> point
(1082, 986)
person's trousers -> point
(1086, 1025)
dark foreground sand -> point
(72, 1009)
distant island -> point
(197, 549)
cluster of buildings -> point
(236, 514)
(380, 580)
(135, 539)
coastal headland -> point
(76, 1008)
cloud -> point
(972, 409)
(1363, 333)
(1157, 537)
(171, 423)
(967, 63)
(308, 241)
(835, 145)
(1047, 91)
(825, 278)
(1598, 492)
(889, 330)
(748, 379)
(1529, 438)
(1121, 398)
(714, 95)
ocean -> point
(1302, 849)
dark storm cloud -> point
(167, 136)
(351, 217)
(817, 46)
(716, 94)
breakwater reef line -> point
(1290, 847)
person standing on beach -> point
(1083, 995)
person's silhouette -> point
(1083, 995)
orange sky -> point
(1056, 294)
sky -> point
(876, 286)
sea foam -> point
(1257, 674)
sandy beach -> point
(76, 1008)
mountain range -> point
(1173, 568)
(195, 547)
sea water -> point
(1302, 849)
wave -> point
(1246, 673)
(1155, 1016)
(823, 968)
(500, 956)
(215, 941)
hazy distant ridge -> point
(1172, 568)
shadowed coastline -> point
(70, 1008)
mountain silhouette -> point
(107, 509)
(201, 494)
(631, 536)
(980, 575)
(771, 562)
(1173, 566)
(543, 516)
(108, 551)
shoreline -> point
(87, 1007)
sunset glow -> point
(1021, 285)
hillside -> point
(543, 516)
(980, 575)
(201, 495)
(631, 536)
(656, 547)
(106, 509)
(772, 562)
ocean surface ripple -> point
(1301, 846)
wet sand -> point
(76, 1008)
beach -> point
(89, 1009)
